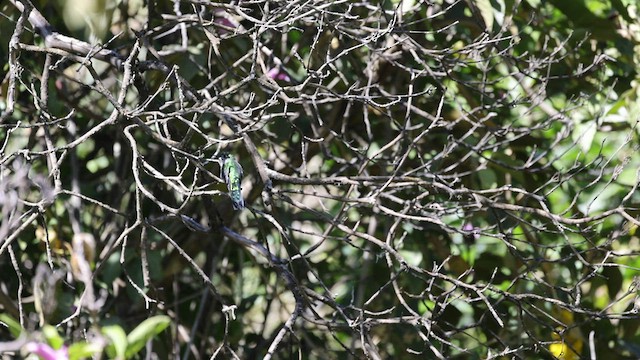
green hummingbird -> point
(231, 172)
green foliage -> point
(119, 345)
(117, 348)
(144, 332)
(14, 326)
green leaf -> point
(585, 135)
(85, 148)
(486, 11)
(412, 257)
(83, 350)
(53, 337)
(579, 14)
(118, 341)
(14, 326)
(97, 164)
(499, 12)
(139, 336)
(614, 280)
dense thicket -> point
(422, 179)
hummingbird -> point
(231, 172)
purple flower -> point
(222, 18)
(475, 232)
(46, 352)
(226, 22)
(276, 74)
